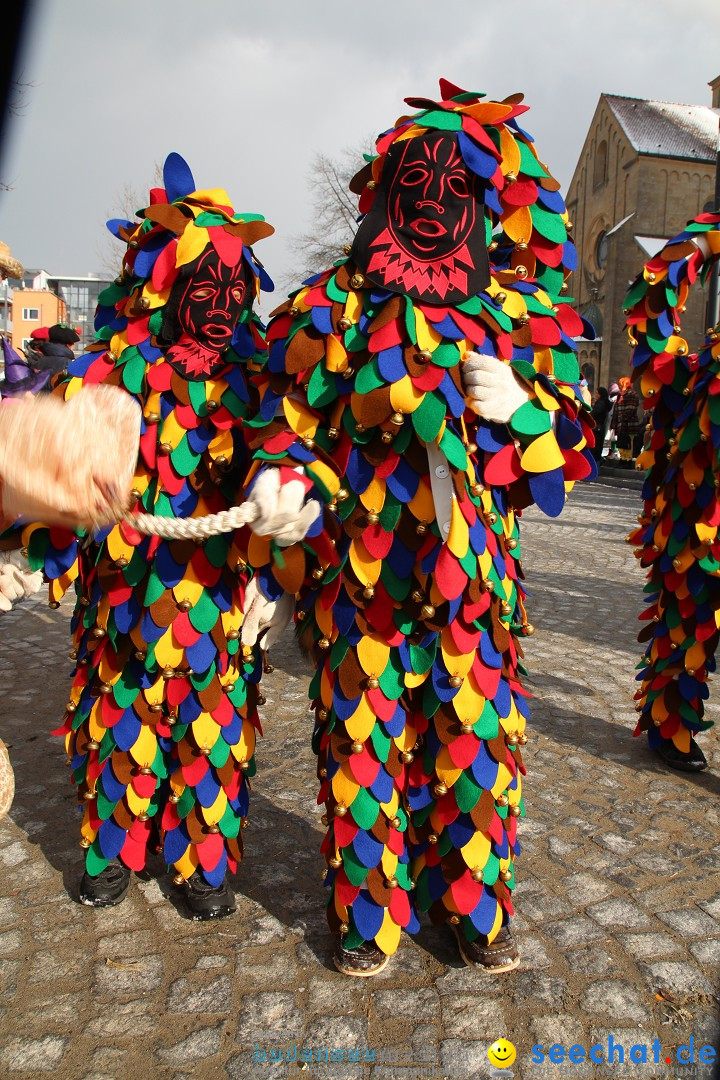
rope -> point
(199, 528)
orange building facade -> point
(32, 308)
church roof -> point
(666, 129)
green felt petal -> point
(531, 419)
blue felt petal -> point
(382, 786)
(548, 491)
(483, 917)
(177, 178)
(322, 319)
(475, 157)
(503, 699)
(484, 768)
(189, 709)
(115, 224)
(202, 654)
(215, 876)
(111, 787)
(368, 849)
(491, 657)
(111, 838)
(126, 730)
(176, 844)
(367, 915)
(395, 726)
(391, 365)
(207, 789)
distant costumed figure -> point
(677, 538)
(161, 723)
(427, 387)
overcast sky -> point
(249, 92)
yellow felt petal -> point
(468, 703)
(456, 661)
(510, 153)
(187, 864)
(497, 924)
(336, 356)
(373, 655)
(136, 804)
(514, 303)
(222, 445)
(96, 728)
(156, 298)
(413, 678)
(324, 619)
(322, 473)
(73, 387)
(427, 335)
(387, 938)
(705, 532)
(191, 244)
(245, 748)
(301, 421)
(390, 808)
(258, 550)
(373, 498)
(404, 397)
(189, 588)
(361, 723)
(167, 651)
(546, 399)
(543, 454)
(344, 787)
(388, 862)
(406, 741)
(353, 307)
(458, 539)
(144, 748)
(421, 505)
(366, 568)
(155, 695)
(518, 225)
(504, 777)
(212, 814)
(205, 731)
(476, 851)
(117, 546)
(488, 112)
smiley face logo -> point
(502, 1053)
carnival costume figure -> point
(428, 384)
(677, 539)
(161, 723)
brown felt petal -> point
(250, 231)
(522, 336)
(340, 743)
(170, 217)
(501, 634)
(186, 752)
(351, 675)
(483, 812)
(123, 817)
(305, 350)
(211, 696)
(376, 451)
(438, 913)
(391, 310)
(226, 772)
(343, 275)
(453, 865)
(291, 576)
(164, 610)
(377, 888)
(381, 829)
(361, 178)
(373, 408)
(407, 531)
(123, 766)
(195, 826)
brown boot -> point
(501, 955)
(362, 962)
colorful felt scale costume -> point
(678, 535)
(410, 599)
(161, 723)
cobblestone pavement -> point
(618, 902)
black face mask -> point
(201, 314)
(425, 233)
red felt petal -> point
(383, 709)
(228, 247)
(466, 893)
(211, 850)
(345, 832)
(364, 768)
(504, 467)
(450, 577)
(345, 892)
(134, 853)
(399, 907)
(463, 750)
(164, 271)
(544, 330)
(194, 772)
(144, 785)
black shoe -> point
(502, 954)
(692, 760)
(107, 888)
(362, 962)
(207, 901)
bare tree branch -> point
(126, 202)
(334, 212)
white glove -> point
(282, 510)
(492, 390)
(17, 580)
(263, 616)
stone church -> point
(645, 169)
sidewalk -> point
(618, 902)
